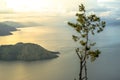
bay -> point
(66, 66)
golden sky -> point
(103, 8)
(45, 5)
(38, 5)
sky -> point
(108, 9)
(37, 5)
(61, 6)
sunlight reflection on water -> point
(66, 67)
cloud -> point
(106, 0)
(105, 14)
(107, 10)
(42, 5)
(114, 8)
(6, 12)
(3, 7)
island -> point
(6, 29)
(25, 52)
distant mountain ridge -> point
(13, 24)
(21, 24)
(25, 52)
(7, 27)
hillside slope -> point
(6, 29)
(25, 52)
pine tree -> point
(85, 26)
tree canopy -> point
(85, 26)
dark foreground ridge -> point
(25, 52)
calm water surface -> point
(66, 67)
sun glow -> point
(34, 5)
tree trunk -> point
(81, 70)
(86, 71)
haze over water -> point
(54, 34)
(65, 67)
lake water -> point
(65, 67)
